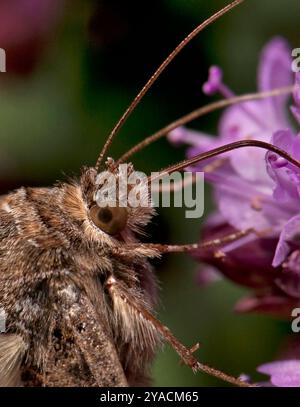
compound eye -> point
(112, 220)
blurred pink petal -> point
(285, 373)
(275, 72)
(207, 275)
(24, 28)
(275, 305)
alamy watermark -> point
(296, 321)
(296, 60)
(2, 320)
(128, 188)
(2, 60)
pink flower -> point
(24, 28)
(255, 190)
(283, 373)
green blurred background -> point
(66, 87)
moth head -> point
(117, 199)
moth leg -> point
(210, 244)
(186, 355)
(193, 349)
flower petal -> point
(285, 373)
(275, 72)
(285, 175)
(269, 304)
(290, 231)
(183, 135)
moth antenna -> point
(185, 354)
(202, 111)
(221, 150)
(156, 75)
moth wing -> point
(92, 358)
(97, 345)
(12, 350)
(12, 346)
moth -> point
(76, 284)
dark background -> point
(66, 87)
